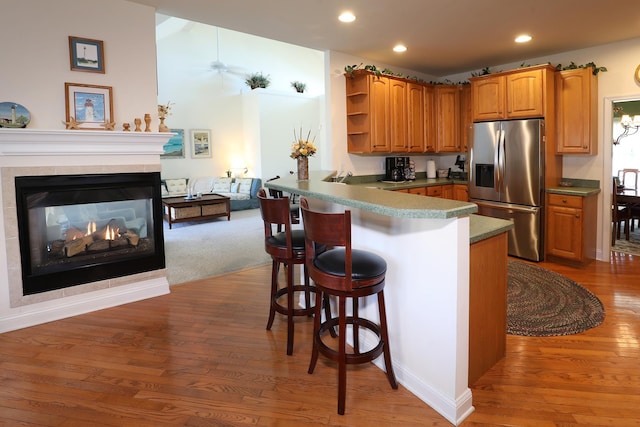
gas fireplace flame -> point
(91, 228)
(111, 233)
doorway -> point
(625, 155)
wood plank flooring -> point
(201, 357)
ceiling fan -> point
(220, 67)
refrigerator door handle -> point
(499, 162)
(496, 163)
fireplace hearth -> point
(76, 229)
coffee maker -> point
(396, 168)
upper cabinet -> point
(513, 94)
(388, 114)
(447, 118)
(416, 122)
(368, 114)
(576, 112)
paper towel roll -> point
(431, 169)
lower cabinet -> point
(487, 304)
(461, 192)
(571, 227)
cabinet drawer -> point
(564, 200)
(186, 212)
(434, 191)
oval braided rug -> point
(544, 303)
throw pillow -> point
(177, 186)
(222, 185)
(244, 185)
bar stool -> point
(340, 271)
(285, 247)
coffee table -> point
(208, 206)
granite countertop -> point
(367, 196)
(420, 182)
(574, 191)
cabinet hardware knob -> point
(564, 200)
(577, 215)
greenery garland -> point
(350, 69)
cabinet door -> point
(576, 112)
(398, 115)
(380, 114)
(416, 132)
(461, 192)
(430, 135)
(565, 232)
(466, 122)
(447, 192)
(487, 98)
(525, 94)
(447, 119)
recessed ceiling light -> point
(399, 48)
(523, 38)
(347, 17)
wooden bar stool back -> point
(340, 271)
(285, 247)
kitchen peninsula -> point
(427, 245)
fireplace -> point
(76, 229)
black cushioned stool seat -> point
(339, 271)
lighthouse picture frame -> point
(86, 55)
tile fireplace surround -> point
(25, 152)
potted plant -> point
(299, 86)
(258, 80)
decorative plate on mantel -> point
(13, 115)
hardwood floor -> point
(201, 357)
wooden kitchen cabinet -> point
(516, 94)
(576, 96)
(466, 119)
(416, 122)
(447, 192)
(430, 119)
(368, 114)
(460, 192)
(434, 191)
(420, 191)
(447, 99)
(571, 227)
(397, 123)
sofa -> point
(243, 192)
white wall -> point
(204, 99)
(35, 52)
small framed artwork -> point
(200, 143)
(86, 55)
(89, 106)
(174, 148)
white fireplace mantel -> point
(61, 152)
(26, 142)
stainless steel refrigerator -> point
(506, 180)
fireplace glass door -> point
(76, 229)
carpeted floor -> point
(631, 246)
(544, 303)
(195, 250)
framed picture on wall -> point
(86, 54)
(89, 106)
(200, 143)
(174, 148)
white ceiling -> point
(443, 37)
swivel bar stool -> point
(340, 271)
(285, 247)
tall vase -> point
(303, 168)
(162, 127)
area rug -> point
(631, 246)
(544, 303)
